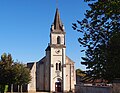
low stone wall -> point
(16, 92)
(93, 89)
(116, 85)
(30, 92)
(116, 88)
(39, 92)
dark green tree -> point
(12, 73)
(101, 22)
(113, 57)
(6, 71)
(23, 76)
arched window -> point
(58, 40)
(60, 66)
(56, 66)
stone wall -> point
(116, 85)
(40, 77)
(93, 89)
(32, 84)
(116, 88)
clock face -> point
(57, 51)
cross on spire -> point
(56, 3)
(57, 25)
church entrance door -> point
(58, 86)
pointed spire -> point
(57, 22)
(57, 25)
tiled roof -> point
(30, 65)
(69, 61)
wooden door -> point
(58, 86)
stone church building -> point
(55, 72)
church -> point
(55, 72)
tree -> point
(6, 76)
(22, 74)
(12, 73)
(113, 55)
(80, 73)
(101, 22)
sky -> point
(25, 28)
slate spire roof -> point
(57, 24)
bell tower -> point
(57, 55)
(57, 35)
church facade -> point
(55, 72)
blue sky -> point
(25, 27)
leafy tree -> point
(6, 76)
(101, 22)
(23, 76)
(22, 73)
(80, 73)
(12, 73)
